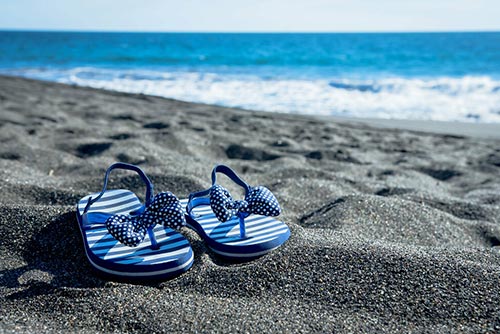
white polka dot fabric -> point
(259, 200)
(165, 209)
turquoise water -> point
(441, 76)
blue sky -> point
(251, 15)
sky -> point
(251, 15)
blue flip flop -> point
(126, 239)
(237, 229)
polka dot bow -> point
(165, 209)
(259, 200)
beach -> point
(393, 229)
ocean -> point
(427, 76)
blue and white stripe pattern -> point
(170, 256)
(263, 233)
(112, 202)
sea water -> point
(436, 76)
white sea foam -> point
(469, 98)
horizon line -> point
(248, 32)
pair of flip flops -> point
(127, 239)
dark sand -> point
(392, 230)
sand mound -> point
(392, 230)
